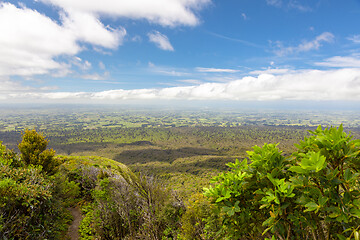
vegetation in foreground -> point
(314, 193)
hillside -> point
(269, 194)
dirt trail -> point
(73, 231)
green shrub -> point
(314, 193)
(33, 152)
(86, 228)
(136, 207)
(28, 209)
(68, 192)
(201, 220)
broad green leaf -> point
(347, 197)
(356, 202)
(322, 200)
(311, 206)
(347, 175)
(355, 212)
(334, 215)
(313, 161)
(341, 237)
(297, 169)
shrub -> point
(313, 194)
(134, 206)
(27, 207)
(201, 220)
(33, 152)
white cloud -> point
(136, 38)
(216, 70)
(190, 81)
(87, 28)
(339, 61)
(289, 4)
(102, 65)
(96, 76)
(244, 16)
(275, 71)
(305, 46)
(164, 12)
(354, 38)
(7, 86)
(83, 65)
(160, 40)
(49, 88)
(276, 3)
(247, 43)
(30, 42)
(296, 5)
(169, 71)
(340, 84)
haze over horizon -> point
(267, 51)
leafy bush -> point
(65, 190)
(129, 206)
(201, 220)
(120, 204)
(312, 194)
(33, 151)
(27, 207)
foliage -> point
(27, 207)
(65, 190)
(86, 228)
(314, 193)
(33, 151)
(121, 204)
(201, 220)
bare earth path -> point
(73, 231)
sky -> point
(114, 51)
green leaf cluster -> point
(314, 193)
(28, 209)
(33, 151)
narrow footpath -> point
(73, 231)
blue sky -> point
(239, 50)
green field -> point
(183, 147)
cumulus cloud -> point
(30, 42)
(339, 84)
(87, 28)
(216, 70)
(305, 46)
(160, 40)
(164, 12)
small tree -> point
(313, 194)
(33, 151)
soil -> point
(73, 231)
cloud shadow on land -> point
(167, 155)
